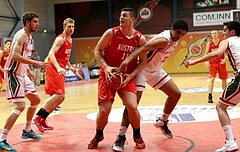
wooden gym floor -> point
(194, 122)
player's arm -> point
(71, 67)
(142, 59)
(154, 43)
(207, 49)
(1, 55)
(17, 51)
(222, 48)
(104, 41)
(51, 55)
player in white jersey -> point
(231, 94)
(18, 84)
(162, 45)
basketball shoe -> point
(229, 146)
(30, 134)
(44, 124)
(4, 146)
(139, 142)
(163, 126)
(94, 142)
(119, 143)
(36, 121)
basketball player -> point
(162, 45)
(3, 56)
(215, 65)
(58, 58)
(18, 84)
(113, 47)
(231, 94)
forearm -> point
(24, 60)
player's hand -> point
(127, 78)
(188, 63)
(42, 64)
(109, 73)
(73, 69)
(123, 67)
(61, 71)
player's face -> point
(125, 19)
(34, 24)
(69, 28)
(226, 32)
(7, 45)
(177, 34)
(214, 34)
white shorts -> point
(156, 79)
(231, 94)
(17, 87)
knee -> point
(176, 95)
(19, 107)
(61, 97)
(103, 112)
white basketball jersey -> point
(17, 67)
(158, 57)
(234, 52)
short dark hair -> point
(8, 41)
(233, 25)
(28, 16)
(180, 24)
(130, 10)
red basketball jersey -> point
(120, 48)
(214, 47)
(63, 54)
(4, 58)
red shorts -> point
(1, 76)
(54, 82)
(106, 93)
(220, 68)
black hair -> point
(233, 25)
(180, 24)
(8, 41)
(130, 10)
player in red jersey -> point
(58, 58)
(113, 47)
(3, 56)
(217, 65)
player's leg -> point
(121, 138)
(174, 94)
(50, 104)
(128, 99)
(101, 121)
(229, 97)
(213, 68)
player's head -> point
(178, 29)
(7, 44)
(215, 34)
(30, 19)
(127, 16)
(231, 28)
(68, 26)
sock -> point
(136, 133)
(164, 117)
(228, 132)
(43, 113)
(99, 132)
(123, 130)
(4, 134)
(27, 126)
